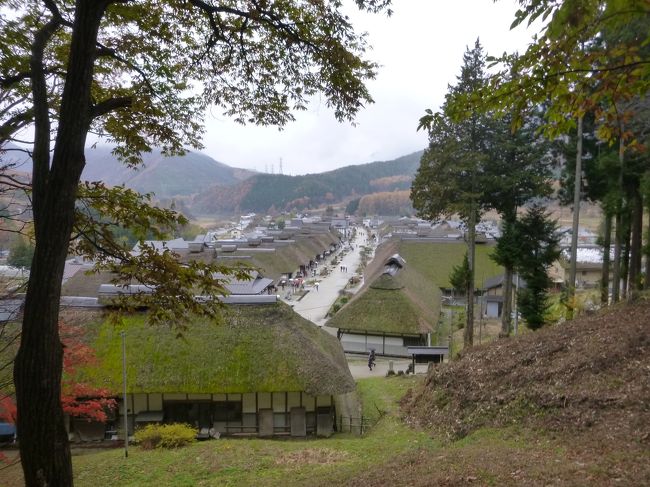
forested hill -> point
(165, 176)
(265, 191)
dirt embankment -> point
(568, 405)
(590, 374)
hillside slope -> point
(263, 191)
(165, 176)
(590, 373)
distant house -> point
(265, 371)
(340, 223)
(493, 296)
(256, 285)
(589, 265)
(397, 308)
(175, 245)
(198, 244)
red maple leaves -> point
(79, 400)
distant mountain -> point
(14, 160)
(261, 192)
(165, 176)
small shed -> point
(425, 355)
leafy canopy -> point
(589, 56)
(158, 65)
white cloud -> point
(420, 49)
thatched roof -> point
(265, 348)
(397, 298)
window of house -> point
(414, 341)
(230, 411)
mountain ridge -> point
(208, 187)
(167, 177)
(267, 192)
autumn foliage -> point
(7, 410)
(79, 400)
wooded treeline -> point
(578, 97)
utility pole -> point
(125, 407)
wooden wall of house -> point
(280, 403)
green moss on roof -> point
(85, 284)
(435, 260)
(387, 282)
(266, 348)
(384, 311)
(407, 302)
(288, 258)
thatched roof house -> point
(397, 307)
(263, 371)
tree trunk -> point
(468, 337)
(635, 245)
(577, 186)
(647, 249)
(616, 271)
(618, 239)
(506, 311)
(44, 448)
(607, 243)
(625, 256)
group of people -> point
(343, 268)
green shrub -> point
(173, 435)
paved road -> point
(315, 304)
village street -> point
(315, 304)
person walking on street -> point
(371, 359)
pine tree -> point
(449, 179)
(538, 240)
(518, 169)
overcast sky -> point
(420, 51)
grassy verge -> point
(240, 462)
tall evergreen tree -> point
(449, 180)
(538, 249)
(517, 170)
